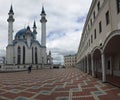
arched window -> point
(19, 55)
(18, 37)
(23, 36)
(36, 59)
(23, 54)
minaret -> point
(10, 26)
(43, 27)
(34, 30)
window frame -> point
(118, 6)
(100, 26)
(95, 34)
(107, 15)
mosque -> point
(25, 49)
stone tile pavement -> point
(55, 84)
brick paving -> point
(55, 84)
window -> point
(89, 42)
(98, 5)
(91, 38)
(95, 35)
(100, 27)
(107, 18)
(19, 55)
(18, 37)
(118, 6)
(88, 27)
(23, 55)
(94, 14)
(91, 22)
(23, 36)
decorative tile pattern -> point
(15, 91)
(62, 98)
(55, 84)
(45, 92)
(21, 98)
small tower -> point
(34, 29)
(49, 53)
(28, 35)
(43, 27)
(10, 26)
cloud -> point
(64, 27)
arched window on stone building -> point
(19, 55)
(23, 54)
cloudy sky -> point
(64, 27)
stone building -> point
(70, 61)
(99, 48)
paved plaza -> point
(55, 84)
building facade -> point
(25, 49)
(70, 61)
(99, 49)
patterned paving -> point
(55, 84)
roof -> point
(70, 55)
(22, 32)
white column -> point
(88, 64)
(92, 64)
(103, 68)
(43, 34)
(10, 33)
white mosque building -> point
(25, 49)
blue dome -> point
(22, 32)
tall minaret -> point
(10, 26)
(34, 29)
(43, 27)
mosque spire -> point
(43, 11)
(34, 29)
(11, 10)
(28, 27)
(10, 25)
(34, 25)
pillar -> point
(92, 64)
(103, 68)
(88, 64)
